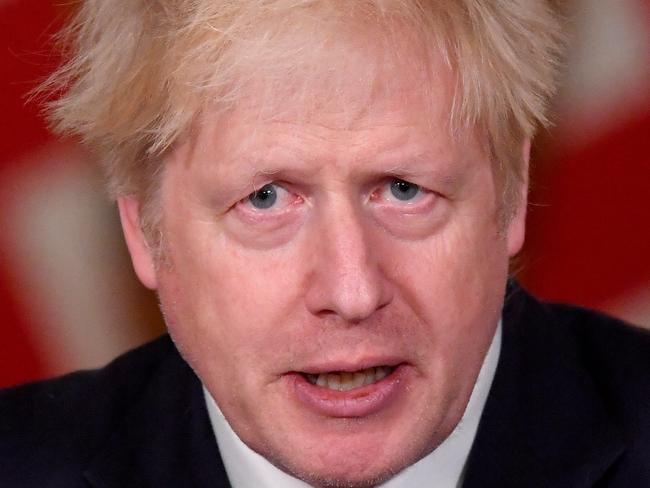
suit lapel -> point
(544, 423)
(165, 440)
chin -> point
(352, 459)
(347, 475)
(349, 482)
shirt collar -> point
(442, 468)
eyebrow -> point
(415, 160)
(447, 176)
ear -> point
(141, 255)
(517, 225)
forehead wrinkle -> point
(350, 150)
(294, 150)
(301, 152)
(254, 139)
(351, 94)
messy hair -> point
(140, 72)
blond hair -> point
(140, 71)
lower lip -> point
(359, 402)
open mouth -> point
(346, 381)
(342, 391)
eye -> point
(404, 190)
(270, 198)
(397, 194)
(400, 192)
(265, 197)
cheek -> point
(454, 280)
(225, 306)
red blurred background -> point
(68, 296)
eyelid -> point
(386, 196)
(284, 200)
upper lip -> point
(346, 365)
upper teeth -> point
(344, 381)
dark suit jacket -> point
(569, 407)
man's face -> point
(335, 275)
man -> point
(325, 196)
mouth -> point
(346, 380)
(344, 391)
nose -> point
(346, 279)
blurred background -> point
(68, 296)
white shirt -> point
(443, 468)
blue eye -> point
(264, 198)
(403, 190)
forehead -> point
(353, 86)
(354, 63)
(359, 96)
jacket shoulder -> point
(616, 353)
(53, 427)
(617, 357)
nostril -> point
(351, 304)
